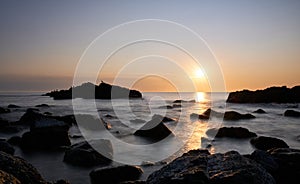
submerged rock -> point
(235, 132)
(83, 153)
(292, 113)
(266, 143)
(201, 167)
(154, 129)
(259, 111)
(115, 175)
(232, 115)
(20, 169)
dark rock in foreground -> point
(15, 140)
(198, 166)
(83, 153)
(292, 113)
(115, 175)
(20, 169)
(6, 178)
(259, 111)
(154, 129)
(266, 143)
(91, 91)
(232, 115)
(269, 95)
(6, 147)
(235, 132)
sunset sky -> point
(257, 43)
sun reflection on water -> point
(200, 97)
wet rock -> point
(235, 132)
(6, 178)
(42, 105)
(259, 111)
(4, 110)
(13, 106)
(232, 115)
(83, 153)
(288, 161)
(177, 106)
(265, 159)
(6, 147)
(20, 169)
(199, 116)
(292, 113)
(154, 129)
(115, 175)
(31, 116)
(266, 143)
(199, 166)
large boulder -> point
(6, 147)
(266, 143)
(115, 175)
(154, 129)
(201, 167)
(20, 169)
(292, 113)
(235, 132)
(232, 115)
(6, 178)
(83, 153)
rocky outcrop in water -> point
(232, 132)
(292, 113)
(232, 115)
(115, 175)
(91, 91)
(259, 111)
(84, 154)
(199, 166)
(269, 95)
(266, 143)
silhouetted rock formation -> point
(115, 175)
(198, 166)
(91, 91)
(234, 132)
(269, 95)
(266, 143)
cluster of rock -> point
(92, 91)
(269, 95)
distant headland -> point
(89, 91)
(268, 95)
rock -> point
(232, 115)
(7, 148)
(83, 153)
(154, 129)
(266, 143)
(6, 178)
(292, 113)
(161, 118)
(47, 113)
(176, 106)
(199, 116)
(166, 107)
(198, 166)
(235, 132)
(91, 91)
(31, 116)
(15, 140)
(13, 106)
(265, 159)
(269, 95)
(42, 105)
(3, 110)
(259, 111)
(178, 101)
(288, 161)
(20, 169)
(115, 175)
(109, 116)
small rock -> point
(259, 111)
(42, 105)
(115, 175)
(13, 106)
(232, 115)
(292, 113)
(266, 143)
(161, 118)
(235, 132)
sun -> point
(199, 73)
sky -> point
(256, 43)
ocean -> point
(126, 116)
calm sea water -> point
(131, 149)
